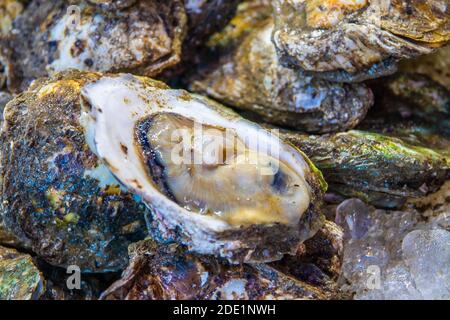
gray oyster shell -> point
(56, 195)
(249, 77)
(357, 40)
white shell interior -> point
(115, 105)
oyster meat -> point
(357, 39)
(166, 273)
(215, 182)
(52, 36)
(56, 195)
(379, 169)
(250, 78)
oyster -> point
(113, 4)
(56, 195)
(213, 181)
(20, 279)
(424, 134)
(413, 95)
(436, 66)
(357, 39)
(9, 10)
(143, 38)
(379, 169)
(206, 17)
(411, 107)
(168, 273)
(250, 77)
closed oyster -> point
(378, 169)
(206, 17)
(358, 39)
(52, 36)
(56, 195)
(421, 133)
(213, 181)
(20, 279)
(167, 273)
(436, 66)
(251, 78)
(414, 97)
(113, 4)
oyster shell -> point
(168, 273)
(378, 169)
(250, 77)
(56, 195)
(415, 97)
(113, 4)
(5, 97)
(436, 66)
(213, 181)
(9, 10)
(422, 134)
(206, 17)
(20, 279)
(358, 39)
(143, 38)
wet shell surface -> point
(218, 183)
(358, 39)
(57, 197)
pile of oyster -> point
(254, 149)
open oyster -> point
(358, 39)
(167, 272)
(56, 196)
(379, 169)
(52, 36)
(250, 77)
(213, 181)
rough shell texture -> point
(250, 77)
(415, 97)
(318, 260)
(9, 10)
(168, 272)
(56, 280)
(357, 40)
(206, 17)
(435, 66)
(20, 279)
(144, 38)
(379, 169)
(55, 193)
